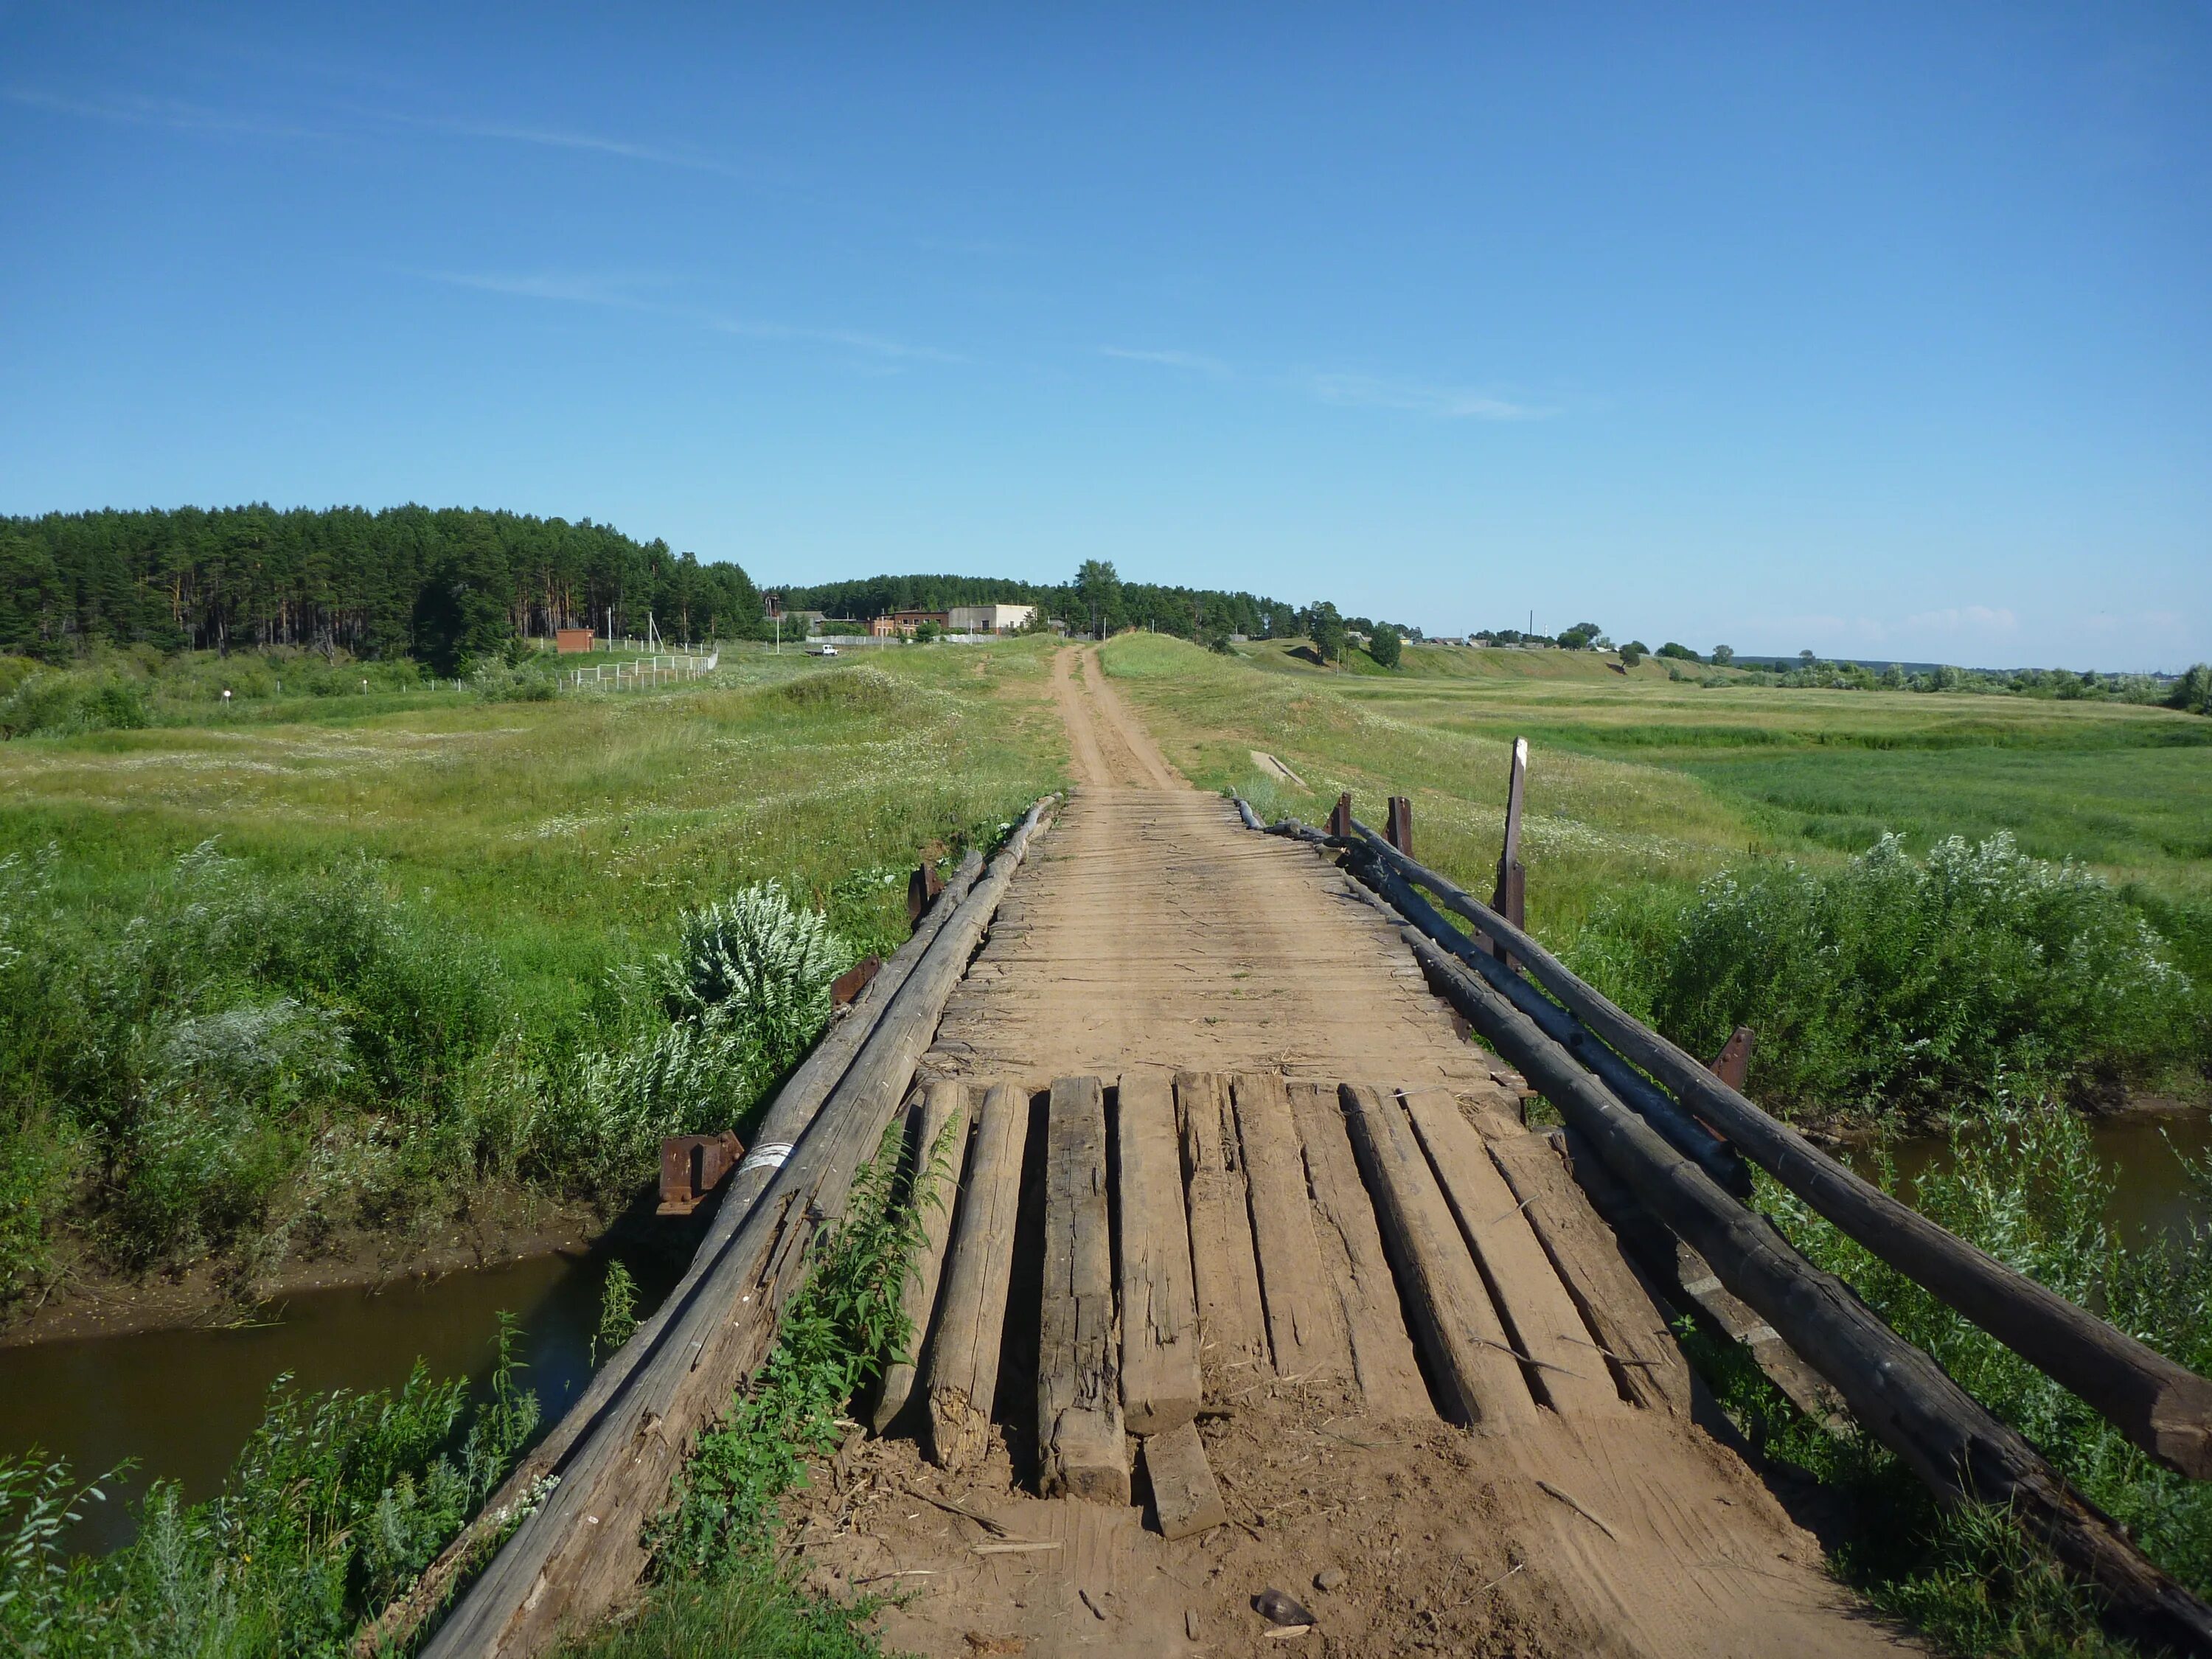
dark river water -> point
(181, 1403)
(2151, 1193)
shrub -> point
(1897, 983)
(738, 1003)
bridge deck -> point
(1430, 1378)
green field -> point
(1636, 777)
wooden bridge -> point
(1252, 1314)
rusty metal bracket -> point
(1732, 1066)
(692, 1166)
(1398, 825)
(854, 980)
(922, 888)
(1340, 817)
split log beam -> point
(1185, 1495)
(1630, 1332)
(1232, 1331)
(1567, 1371)
(1304, 1325)
(1352, 1248)
(582, 1549)
(1081, 1449)
(963, 1361)
(1902, 1396)
(1162, 1385)
(1475, 1366)
(2165, 1408)
(940, 1114)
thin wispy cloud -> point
(1444, 402)
(661, 155)
(132, 109)
(1190, 360)
(633, 291)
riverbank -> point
(88, 1298)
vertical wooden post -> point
(922, 888)
(1398, 827)
(1340, 817)
(1510, 898)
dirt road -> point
(1150, 929)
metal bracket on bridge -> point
(1732, 1066)
(692, 1166)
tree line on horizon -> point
(445, 586)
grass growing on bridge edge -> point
(722, 1583)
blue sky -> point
(1885, 332)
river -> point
(182, 1402)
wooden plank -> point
(1304, 1324)
(941, 1114)
(1081, 1449)
(1161, 1382)
(1901, 1395)
(961, 1372)
(1646, 1361)
(1567, 1371)
(2164, 1407)
(1353, 1260)
(1185, 1495)
(1480, 1379)
(1232, 1331)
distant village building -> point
(990, 618)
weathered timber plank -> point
(1646, 1361)
(1161, 1382)
(1304, 1324)
(1232, 1331)
(1568, 1370)
(961, 1362)
(1185, 1495)
(941, 1114)
(1081, 1449)
(1352, 1257)
(1481, 1378)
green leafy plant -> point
(1903, 984)
(617, 1312)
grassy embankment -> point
(1717, 852)
(411, 948)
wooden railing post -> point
(1340, 817)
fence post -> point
(1398, 826)
(1510, 899)
(1340, 817)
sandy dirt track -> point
(1151, 929)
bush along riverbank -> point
(247, 1064)
(1893, 989)
(1984, 992)
(2024, 1184)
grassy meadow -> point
(327, 953)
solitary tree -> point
(1632, 654)
(1723, 655)
(1384, 644)
(1581, 636)
(1326, 628)
(2193, 690)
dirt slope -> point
(1151, 929)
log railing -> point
(579, 1549)
(1658, 1119)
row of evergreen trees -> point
(449, 585)
(441, 584)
